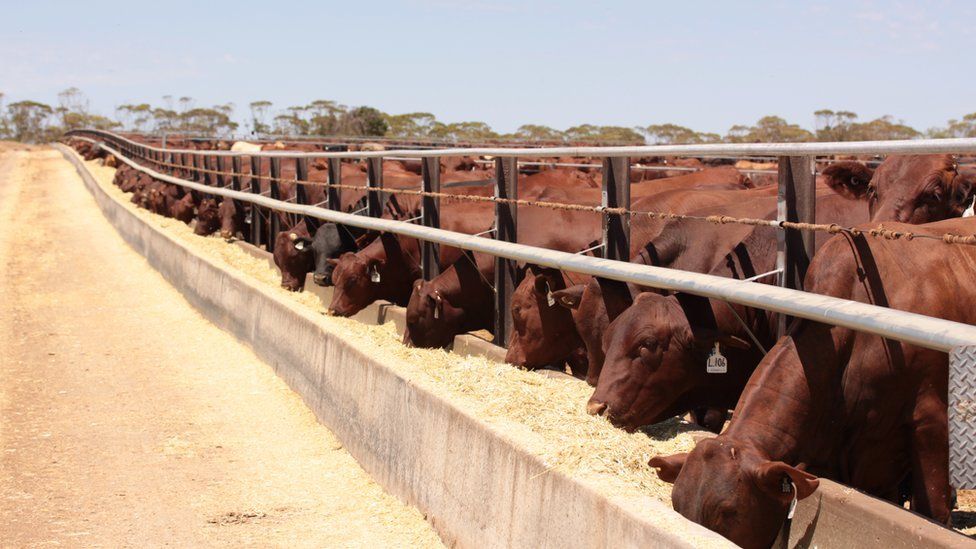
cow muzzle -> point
(596, 408)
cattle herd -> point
(819, 401)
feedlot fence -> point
(795, 214)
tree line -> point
(32, 121)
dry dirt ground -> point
(126, 419)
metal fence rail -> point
(796, 184)
(905, 146)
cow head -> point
(734, 490)
(208, 217)
(330, 241)
(654, 356)
(293, 256)
(356, 282)
(183, 208)
(544, 331)
(430, 317)
(231, 214)
(909, 189)
(156, 200)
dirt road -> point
(126, 419)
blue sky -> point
(707, 65)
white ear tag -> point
(299, 245)
(716, 363)
(374, 275)
(789, 515)
(437, 312)
(549, 299)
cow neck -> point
(790, 410)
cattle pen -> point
(211, 175)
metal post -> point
(796, 200)
(430, 169)
(235, 179)
(257, 228)
(334, 194)
(273, 221)
(616, 194)
(221, 170)
(301, 195)
(197, 161)
(506, 230)
(207, 166)
(374, 180)
(962, 418)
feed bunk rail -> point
(794, 204)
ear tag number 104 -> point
(716, 363)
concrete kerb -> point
(414, 443)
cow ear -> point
(775, 478)
(570, 297)
(333, 261)
(668, 467)
(963, 190)
(543, 284)
(850, 179)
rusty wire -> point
(830, 228)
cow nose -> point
(319, 279)
(226, 235)
(595, 407)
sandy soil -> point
(126, 419)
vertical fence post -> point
(301, 194)
(616, 194)
(430, 169)
(334, 194)
(257, 227)
(506, 230)
(275, 192)
(222, 180)
(235, 168)
(374, 180)
(208, 178)
(796, 200)
(197, 162)
(962, 418)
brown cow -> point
(830, 401)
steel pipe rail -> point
(905, 146)
(916, 329)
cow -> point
(638, 388)
(208, 217)
(458, 300)
(829, 401)
(244, 146)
